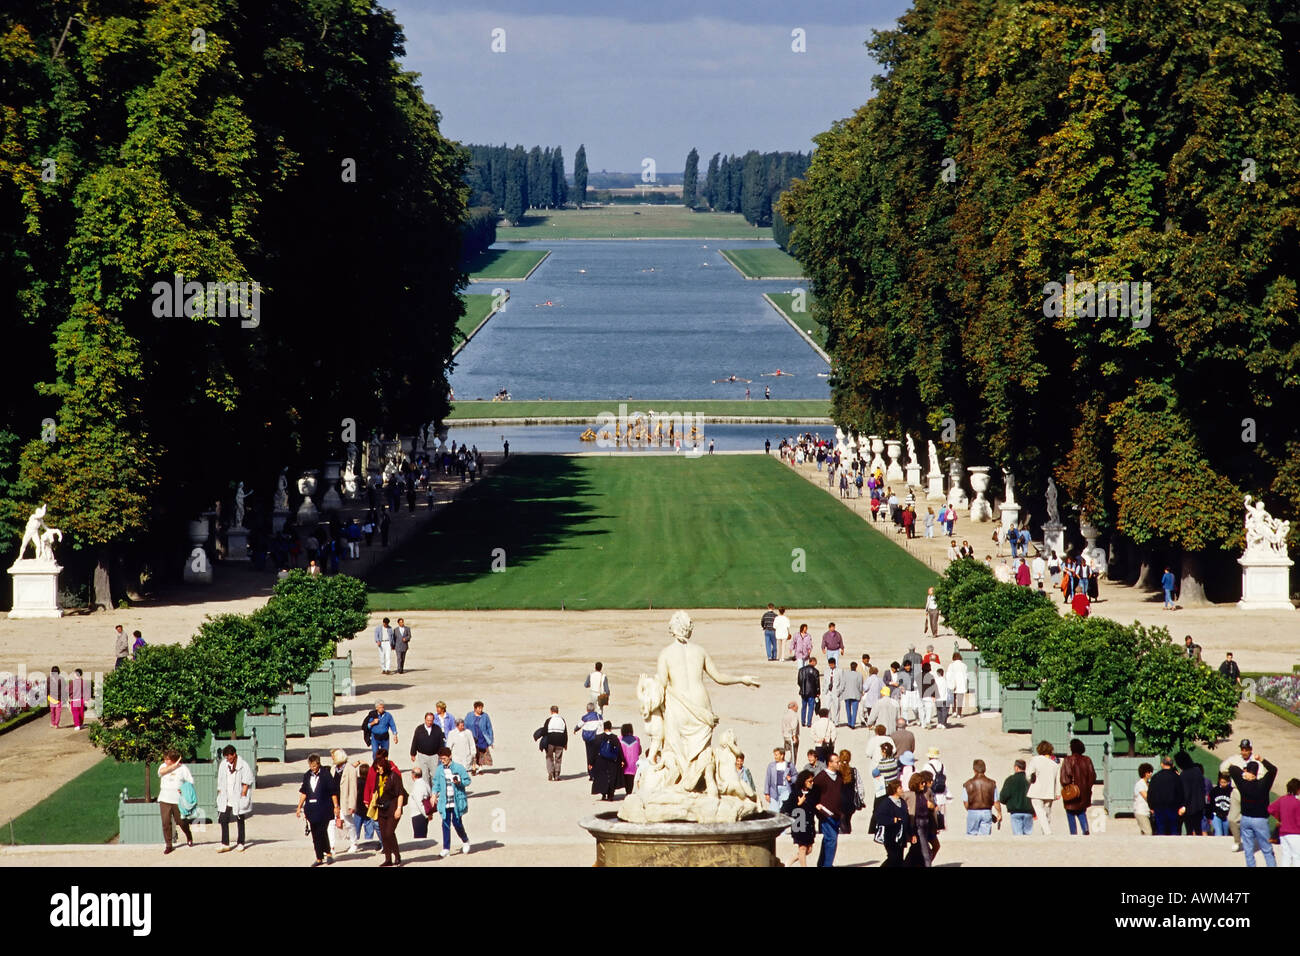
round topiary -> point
(994, 611)
(1016, 653)
(956, 574)
(962, 598)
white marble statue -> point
(240, 495)
(911, 449)
(1009, 483)
(934, 471)
(1265, 535)
(40, 536)
(1053, 515)
(686, 774)
(282, 490)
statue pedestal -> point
(934, 488)
(750, 842)
(1010, 516)
(914, 475)
(36, 588)
(1054, 539)
(278, 517)
(1265, 583)
(237, 544)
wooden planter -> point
(1121, 775)
(205, 788)
(988, 689)
(271, 729)
(342, 667)
(138, 821)
(1054, 727)
(1017, 706)
(320, 689)
(297, 714)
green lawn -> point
(605, 532)
(505, 265)
(779, 408)
(83, 810)
(477, 308)
(784, 301)
(764, 263)
(632, 222)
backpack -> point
(609, 750)
(365, 725)
(940, 784)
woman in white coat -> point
(958, 682)
(1044, 785)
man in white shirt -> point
(833, 692)
(384, 641)
(599, 685)
(958, 680)
(782, 626)
(941, 692)
(1039, 569)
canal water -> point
(650, 319)
(564, 438)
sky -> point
(643, 80)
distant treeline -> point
(478, 232)
(746, 184)
(516, 180)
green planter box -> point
(271, 729)
(1095, 741)
(1054, 727)
(1121, 775)
(988, 690)
(246, 747)
(205, 787)
(1017, 706)
(320, 688)
(138, 822)
(342, 667)
(297, 714)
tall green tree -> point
(711, 183)
(516, 186)
(580, 175)
(690, 179)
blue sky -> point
(634, 80)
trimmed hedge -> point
(1017, 651)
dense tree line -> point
(516, 180)
(1009, 147)
(748, 184)
(277, 143)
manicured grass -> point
(787, 408)
(597, 532)
(83, 810)
(763, 263)
(505, 265)
(784, 301)
(477, 308)
(632, 222)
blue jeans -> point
(769, 641)
(359, 822)
(1254, 835)
(979, 822)
(1022, 824)
(830, 839)
(1169, 598)
(808, 711)
(851, 712)
(449, 819)
(833, 656)
(1220, 826)
(1082, 818)
(1166, 821)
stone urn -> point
(895, 471)
(956, 494)
(877, 446)
(980, 509)
(308, 516)
(331, 501)
(198, 568)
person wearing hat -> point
(885, 711)
(1240, 759)
(939, 786)
(906, 767)
(345, 787)
(1254, 808)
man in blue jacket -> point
(589, 726)
(480, 725)
(379, 726)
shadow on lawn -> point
(527, 508)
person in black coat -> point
(318, 801)
(607, 769)
(1165, 798)
(1192, 777)
(891, 814)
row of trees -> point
(1131, 676)
(516, 180)
(1007, 149)
(748, 184)
(173, 695)
(277, 143)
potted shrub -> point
(1014, 657)
(984, 620)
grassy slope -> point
(779, 408)
(617, 533)
(477, 308)
(632, 222)
(505, 264)
(805, 320)
(758, 263)
(84, 810)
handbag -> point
(428, 807)
(879, 835)
(372, 811)
(1070, 792)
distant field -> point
(721, 531)
(785, 303)
(764, 263)
(477, 308)
(505, 264)
(632, 222)
(781, 408)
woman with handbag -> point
(1078, 777)
(386, 803)
(891, 826)
(853, 799)
(172, 775)
(920, 809)
(421, 799)
(799, 808)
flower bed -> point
(21, 701)
(1280, 690)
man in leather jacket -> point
(810, 689)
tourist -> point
(461, 743)
(885, 710)
(313, 567)
(173, 774)
(832, 693)
(886, 766)
(121, 646)
(958, 677)
(790, 731)
(353, 533)
(1044, 785)
(607, 769)
(1230, 671)
(844, 484)
(1023, 575)
(904, 740)
(938, 785)
(1013, 799)
(891, 821)
(384, 642)
(598, 684)
(871, 685)
(401, 643)
(234, 797)
(77, 699)
(553, 739)
(1254, 808)
(1141, 809)
(1287, 811)
(910, 704)
(810, 689)
(1165, 797)
(966, 551)
(1240, 759)
(906, 766)
(832, 643)
(929, 522)
(389, 797)
(1192, 778)
(851, 694)
(443, 719)
(802, 646)
(931, 625)
(1039, 570)
(776, 781)
(768, 625)
(798, 806)
(344, 783)
(1167, 585)
(814, 763)
(919, 802)
(1221, 801)
(480, 725)
(829, 801)
(137, 645)
(942, 699)
(589, 727)
(852, 797)
(420, 800)
(56, 691)
(319, 803)
(427, 740)
(822, 733)
(1080, 604)
(379, 729)
(781, 624)
(631, 746)
(1077, 772)
(981, 796)
(450, 799)
(929, 699)
(951, 520)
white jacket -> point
(230, 785)
(958, 678)
(461, 744)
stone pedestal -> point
(198, 569)
(308, 516)
(36, 588)
(278, 518)
(1010, 516)
(934, 486)
(237, 544)
(749, 842)
(914, 475)
(980, 509)
(1054, 539)
(895, 471)
(877, 460)
(956, 494)
(1265, 583)
(331, 501)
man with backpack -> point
(552, 739)
(377, 729)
